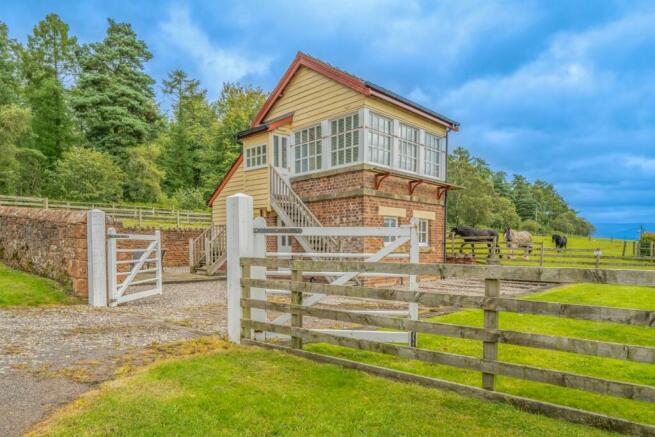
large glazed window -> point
(279, 151)
(344, 140)
(307, 155)
(435, 154)
(380, 132)
(256, 156)
(408, 148)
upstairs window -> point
(408, 148)
(435, 153)
(344, 140)
(256, 156)
(307, 155)
(279, 151)
(380, 130)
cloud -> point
(214, 64)
(642, 163)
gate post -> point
(413, 279)
(96, 258)
(239, 244)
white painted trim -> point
(96, 258)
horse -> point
(473, 235)
(518, 239)
(560, 241)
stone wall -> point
(49, 243)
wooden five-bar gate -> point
(490, 335)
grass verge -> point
(251, 391)
(640, 373)
(19, 289)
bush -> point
(531, 226)
(86, 175)
(648, 237)
(189, 198)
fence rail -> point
(139, 214)
(490, 334)
(486, 252)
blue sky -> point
(558, 90)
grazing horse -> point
(473, 235)
(560, 241)
(518, 239)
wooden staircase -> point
(208, 251)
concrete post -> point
(97, 258)
(239, 244)
(413, 279)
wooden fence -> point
(478, 250)
(141, 215)
(490, 335)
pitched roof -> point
(352, 82)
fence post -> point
(239, 244)
(258, 251)
(45, 203)
(140, 218)
(191, 261)
(245, 294)
(541, 255)
(625, 243)
(177, 219)
(490, 348)
(96, 258)
(296, 299)
(597, 254)
(413, 279)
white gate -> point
(134, 269)
(246, 237)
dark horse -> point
(473, 235)
(560, 241)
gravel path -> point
(50, 355)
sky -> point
(562, 91)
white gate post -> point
(239, 244)
(159, 263)
(96, 258)
(413, 282)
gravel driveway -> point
(50, 355)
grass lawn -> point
(251, 391)
(23, 289)
(627, 297)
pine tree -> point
(48, 61)
(526, 206)
(114, 97)
(9, 72)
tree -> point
(236, 107)
(49, 60)
(114, 97)
(9, 71)
(14, 132)
(473, 205)
(504, 214)
(523, 199)
(501, 186)
(191, 130)
(31, 172)
(143, 176)
(86, 175)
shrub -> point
(86, 175)
(531, 226)
(189, 198)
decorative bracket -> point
(413, 185)
(441, 191)
(379, 177)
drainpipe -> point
(445, 200)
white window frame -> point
(434, 147)
(377, 134)
(256, 157)
(389, 222)
(407, 144)
(339, 136)
(423, 232)
(280, 157)
(306, 139)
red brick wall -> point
(362, 210)
(49, 243)
(174, 243)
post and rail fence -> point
(485, 250)
(492, 303)
(141, 215)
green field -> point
(23, 289)
(627, 297)
(255, 392)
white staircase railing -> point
(208, 251)
(294, 213)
